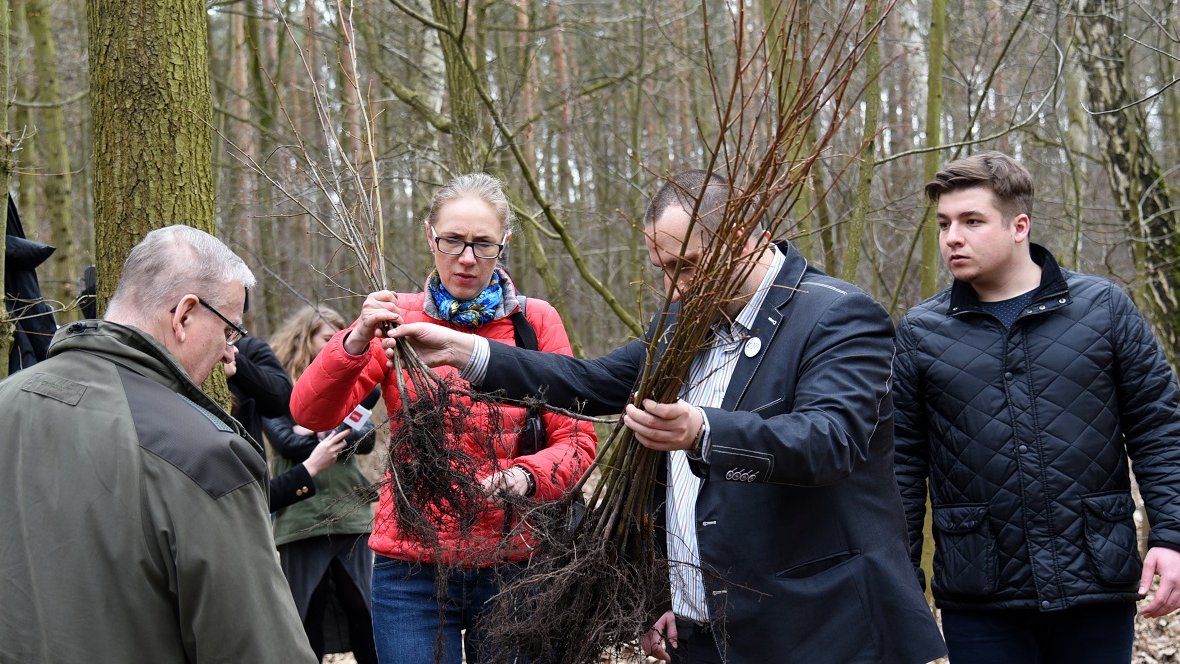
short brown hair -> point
(1010, 182)
(682, 190)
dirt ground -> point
(1157, 641)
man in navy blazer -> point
(792, 513)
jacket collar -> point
(770, 320)
(1053, 291)
(136, 351)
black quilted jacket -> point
(1025, 434)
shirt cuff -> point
(701, 451)
(477, 367)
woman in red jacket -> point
(466, 231)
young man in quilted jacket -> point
(1024, 393)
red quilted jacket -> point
(337, 381)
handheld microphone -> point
(359, 417)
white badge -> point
(752, 347)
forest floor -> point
(1157, 641)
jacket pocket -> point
(813, 606)
(964, 551)
(1110, 538)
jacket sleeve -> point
(570, 443)
(600, 386)
(261, 376)
(912, 446)
(336, 382)
(232, 602)
(291, 487)
(1149, 412)
(281, 434)
(839, 407)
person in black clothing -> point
(1025, 394)
(33, 317)
(324, 542)
(261, 388)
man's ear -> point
(1021, 227)
(182, 316)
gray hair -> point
(475, 185)
(175, 260)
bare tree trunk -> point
(527, 137)
(1134, 174)
(263, 51)
(350, 94)
(234, 195)
(864, 183)
(6, 327)
(561, 72)
(467, 143)
(1076, 139)
(152, 109)
(931, 256)
(789, 69)
(66, 262)
(22, 125)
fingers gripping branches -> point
(779, 94)
(603, 582)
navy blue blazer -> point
(799, 518)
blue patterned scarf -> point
(467, 313)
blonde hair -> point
(292, 342)
(475, 185)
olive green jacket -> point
(134, 523)
(341, 504)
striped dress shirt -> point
(707, 382)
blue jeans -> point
(406, 618)
(1087, 634)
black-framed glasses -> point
(233, 331)
(455, 247)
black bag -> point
(532, 437)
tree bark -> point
(864, 182)
(6, 327)
(467, 143)
(1135, 177)
(66, 262)
(152, 110)
(28, 194)
(931, 256)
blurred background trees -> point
(581, 108)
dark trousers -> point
(695, 644)
(1088, 634)
(338, 605)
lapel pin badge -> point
(752, 347)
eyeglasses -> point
(455, 247)
(233, 331)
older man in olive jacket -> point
(134, 520)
